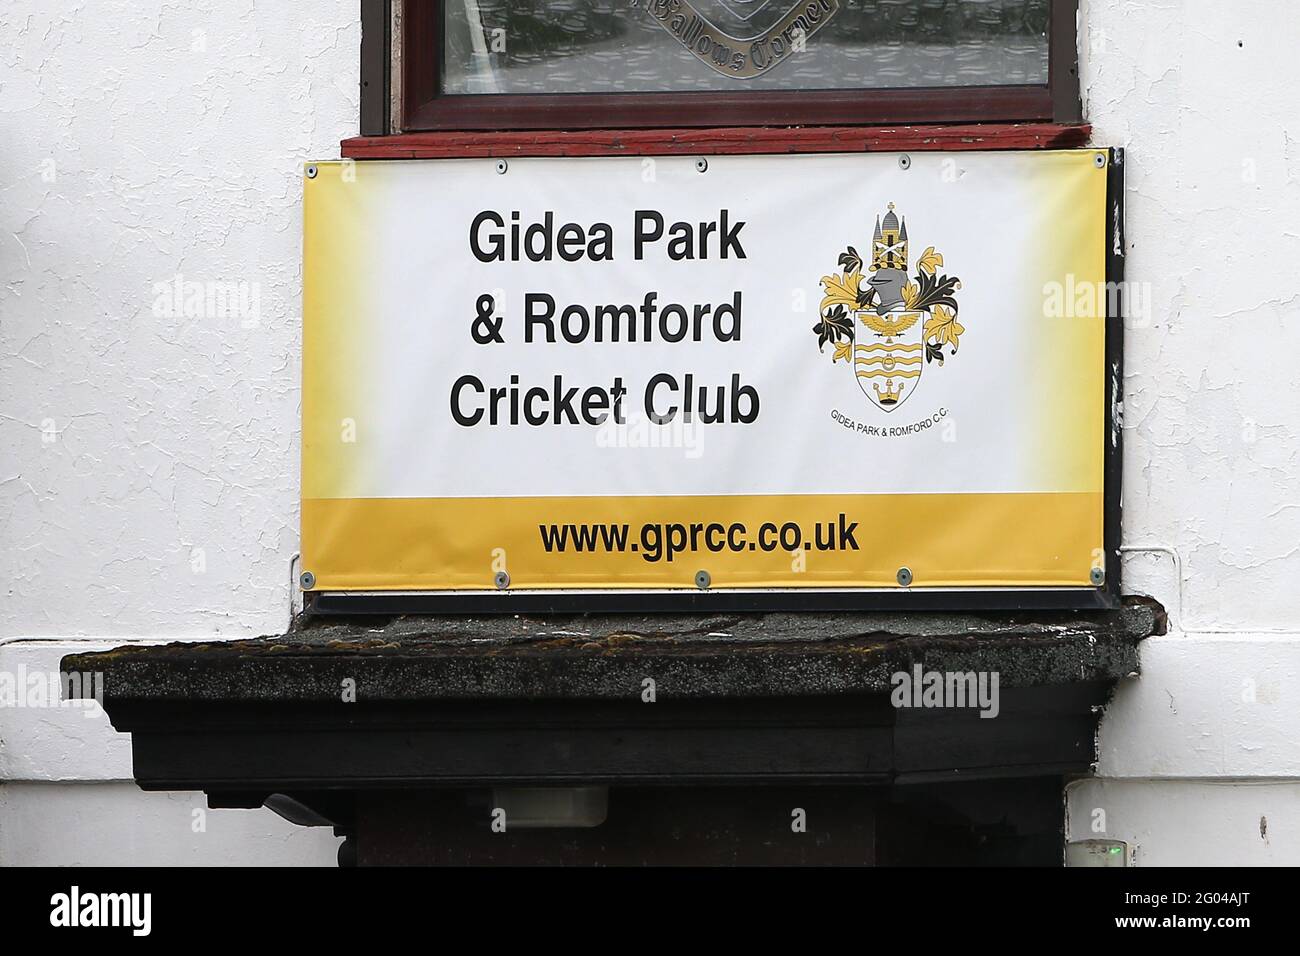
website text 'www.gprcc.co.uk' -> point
(664, 541)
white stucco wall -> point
(1200, 757)
(148, 464)
(145, 140)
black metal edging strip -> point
(1116, 239)
(321, 604)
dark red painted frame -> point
(712, 142)
(424, 108)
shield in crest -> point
(889, 363)
(742, 38)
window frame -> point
(406, 99)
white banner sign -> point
(781, 371)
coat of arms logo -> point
(741, 38)
(889, 325)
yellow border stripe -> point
(951, 540)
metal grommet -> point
(307, 580)
(905, 576)
(501, 580)
(701, 165)
(1099, 160)
(502, 166)
(905, 161)
(1097, 576)
(311, 172)
(702, 580)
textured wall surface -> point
(149, 453)
(1200, 758)
(114, 824)
(148, 440)
(1212, 822)
(1203, 94)
(149, 461)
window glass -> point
(643, 46)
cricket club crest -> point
(889, 327)
(741, 38)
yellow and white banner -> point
(781, 371)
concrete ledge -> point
(606, 657)
(331, 710)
